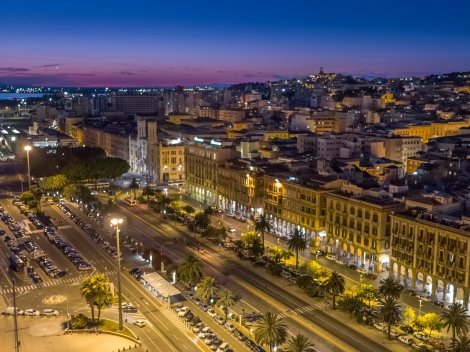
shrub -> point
(79, 322)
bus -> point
(130, 202)
(16, 263)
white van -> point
(11, 311)
(223, 347)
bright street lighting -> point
(116, 222)
(28, 149)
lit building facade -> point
(431, 255)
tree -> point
(103, 299)
(225, 301)
(299, 343)
(270, 330)
(351, 304)
(209, 211)
(37, 193)
(462, 344)
(28, 198)
(94, 289)
(54, 183)
(368, 293)
(253, 243)
(390, 288)
(409, 314)
(189, 209)
(297, 242)
(206, 289)
(134, 186)
(190, 270)
(262, 225)
(390, 311)
(455, 319)
(201, 220)
(433, 322)
(335, 285)
(148, 192)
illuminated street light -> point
(116, 222)
(28, 149)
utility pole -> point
(17, 342)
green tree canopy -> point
(270, 330)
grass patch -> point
(109, 325)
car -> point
(183, 312)
(11, 311)
(410, 292)
(407, 328)
(394, 333)
(352, 266)
(424, 298)
(36, 279)
(215, 344)
(230, 327)
(198, 327)
(220, 320)
(32, 312)
(196, 320)
(421, 335)
(139, 322)
(406, 339)
(209, 339)
(340, 261)
(211, 313)
(330, 257)
(241, 336)
(223, 347)
(362, 271)
(189, 317)
(439, 304)
(129, 309)
(370, 276)
(232, 229)
(50, 313)
(380, 326)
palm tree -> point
(225, 301)
(462, 344)
(455, 318)
(94, 289)
(103, 299)
(190, 270)
(335, 285)
(390, 311)
(390, 288)
(206, 288)
(148, 192)
(270, 330)
(297, 242)
(134, 186)
(299, 343)
(262, 225)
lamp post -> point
(420, 305)
(28, 149)
(116, 222)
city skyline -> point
(144, 44)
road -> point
(316, 321)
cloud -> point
(49, 65)
(14, 69)
(126, 73)
(83, 74)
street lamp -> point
(28, 149)
(116, 222)
(420, 305)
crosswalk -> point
(301, 310)
(60, 282)
(172, 316)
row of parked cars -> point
(417, 339)
(32, 217)
(221, 321)
(69, 251)
(367, 274)
(90, 231)
(31, 312)
(203, 332)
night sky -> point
(164, 43)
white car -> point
(232, 229)
(31, 312)
(421, 335)
(362, 271)
(183, 311)
(394, 333)
(330, 257)
(380, 326)
(406, 339)
(50, 313)
(211, 313)
(220, 320)
(140, 323)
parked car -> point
(421, 335)
(239, 335)
(220, 320)
(230, 327)
(330, 257)
(50, 313)
(211, 313)
(380, 326)
(406, 339)
(32, 312)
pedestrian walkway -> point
(172, 316)
(60, 282)
(302, 310)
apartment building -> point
(431, 254)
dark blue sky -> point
(152, 43)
